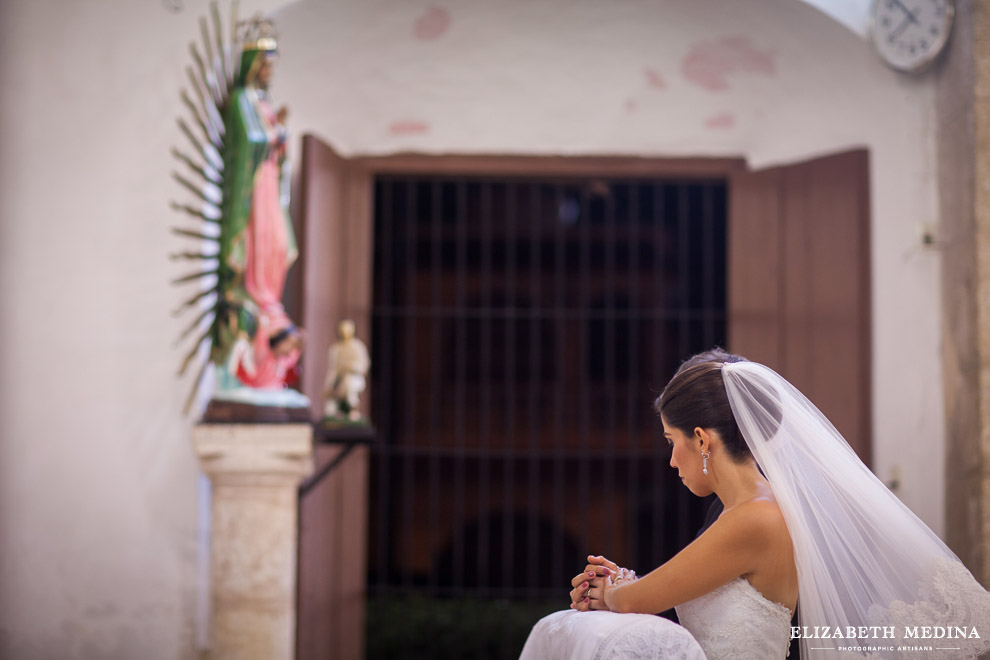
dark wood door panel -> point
(799, 289)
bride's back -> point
(775, 575)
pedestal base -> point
(255, 471)
(232, 412)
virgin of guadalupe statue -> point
(257, 245)
(254, 345)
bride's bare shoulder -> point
(760, 514)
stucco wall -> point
(98, 481)
(774, 81)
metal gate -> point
(522, 329)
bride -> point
(805, 523)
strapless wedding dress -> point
(733, 621)
(736, 621)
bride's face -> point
(685, 457)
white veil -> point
(863, 558)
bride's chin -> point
(698, 490)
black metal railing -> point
(521, 331)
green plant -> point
(434, 628)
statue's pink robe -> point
(266, 251)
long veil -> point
(863, 558)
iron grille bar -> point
(707, 249)
(517, 594)
(535, 394)
(498, 313)
(384, 412)
(560, 275)
(684, 294)
(632, 484)
(484, 543)
(460, 505)
(409, 405)
(472, 453)
(584, 405)
(609, 336)
(509, 385)
(659, 218)
(509, 481)
(436, 385)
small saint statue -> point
(347, 366)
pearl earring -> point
(704, 462)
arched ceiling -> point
(853, 14)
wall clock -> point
(910, 34)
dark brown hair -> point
(695, 397)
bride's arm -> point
(731, 547)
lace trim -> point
(950, 602)
(780, 606)
(656, 639)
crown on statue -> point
(257, 33)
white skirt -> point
(573, 635)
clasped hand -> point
(591, 587)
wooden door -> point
(799, 282)
(335, 260)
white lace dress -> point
(573, 635)
(733, 621)
(736, 621)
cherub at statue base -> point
(234, 402)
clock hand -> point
(900, 29)
(907, 11)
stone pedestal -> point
(255, 470)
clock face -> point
(909, 34)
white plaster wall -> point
(97, 476)
(98, 481)
(592, 77)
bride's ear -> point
(702, 437)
